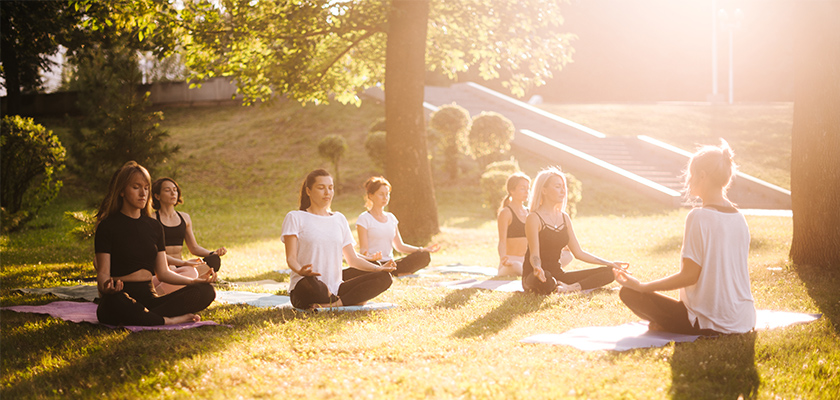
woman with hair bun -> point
(714, 279)
(379, 233)
(549, 229)
(316, 238)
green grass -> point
(240, 169)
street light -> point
(731, 26)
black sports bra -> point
(174, 235)
(516, 229)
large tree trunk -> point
(815, 152)
(407, 163)
(10, 62)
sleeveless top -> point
(552, 242)
(174, 235)
(516, 229)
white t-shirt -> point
(380, 234)
(320, 243)
(721, 299)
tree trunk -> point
(815, 147)
(10, 63)
(407, 162)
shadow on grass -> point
(719, 368)
(456, 298)
(516, 305)
(822, 284)
(668, 245)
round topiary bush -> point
(574, 194)
(490, 137)
(376, 148)
(450, 124)
(332, 147)
(493, 188)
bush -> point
(332, 147)
(508, 166)
(88, 222)
(574, 194)
(493, 187)
(490, 137)
(117, 126)
(378, 125)
(450, 124)
(376, 148)
(32, 158)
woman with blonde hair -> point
(548, 229)
(316, 238)
(129, 246)
(714, 279)
(379, 233)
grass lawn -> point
(240, 170)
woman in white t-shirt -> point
(714, 281)
(379, 233)
(316, 238)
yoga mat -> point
(87, 292)
(78, 312)
(268, 284)
(463, 269)
(266, 300)
(636, 335)
(366, 307)
(493, 284)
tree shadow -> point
(821, 284)
(456, 298)
(668, 245)
(715, 368)
(515, 305)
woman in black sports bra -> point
(511, 222)
(549, 229)
(177, 229)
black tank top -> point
(552, 242)
(516, 229)
(174, 235)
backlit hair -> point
(158, 186)
(718, 164)
(113, 202)
(535, 199)
(372, 185)
(305, 201)
(510, 186)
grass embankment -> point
(240, 169)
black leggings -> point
(137, 304)
(405, 266)
(353, 291)
(668, 313)
(587, 278)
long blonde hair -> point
(718, 164)
(113, 202)
(535, 199)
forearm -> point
(590, 258)
(362, 264)
(672, 282)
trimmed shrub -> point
(509, 166)
(493, 182)
(450, 124)
(490, 137)
(376, 148)
(332, 147)
(574, 194)
(32, 158)
(378, 125)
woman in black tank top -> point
(177, 228)
(548, 230)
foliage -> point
(450, 124)
(376, 147)
(32, 159)
(378, 125)
(493, 182)
(332, 147)
(490, 136)
(87, 219)
(508, 166)
(117, 126)
(574, 194)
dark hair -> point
(372, 185)
(305, 202)
(510, 185)
(113, 202)
(158, 185)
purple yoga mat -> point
(86, 312)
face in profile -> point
(520, 191)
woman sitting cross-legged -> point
(178, 230)
(316, 238)
(714, 280)
(549, 229)
(129, 247)
(379, 234)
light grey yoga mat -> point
(87, 292)
(267, 300)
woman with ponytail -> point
(511, 223)
(316, 238)
(714, 279)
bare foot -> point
(181, 319)
(337, 303)
(564, 288)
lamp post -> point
(730, 25)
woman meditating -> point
(316, 238)
(549, 229)
(177, 228)
(511, 223)
(130, 248)
(379, 234)
(714, 280)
